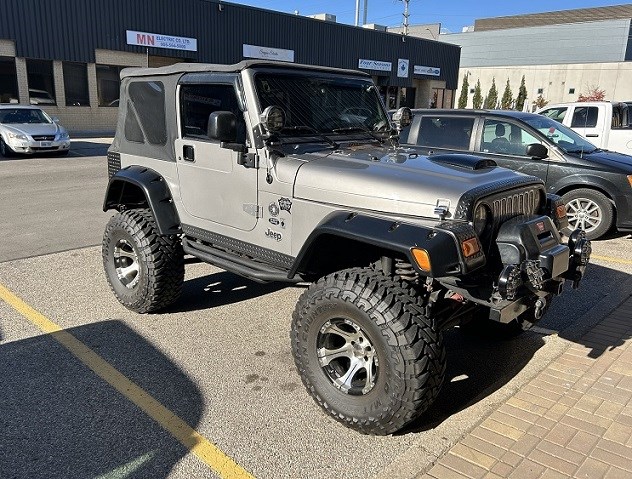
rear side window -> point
(145, 117)
(197, 102)
(445, 132)
(585, 117)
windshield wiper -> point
(309, 129)
(351, 129)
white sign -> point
(402, 68)
(374, 65)
(268, 53)
(159, 40)
(422, 70)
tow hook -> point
(541, 305)
(581, 249)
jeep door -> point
(213, 186)
(506, 141)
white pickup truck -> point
(603, 123)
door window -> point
(501, 136)
(585, 117)
(197, 102)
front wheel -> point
(366, 352)
(144, 269)
(589, 210)
(5, 150)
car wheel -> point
(144, 269)
(589, 210)
(366, 352)
(5, 150)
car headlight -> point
(17, 136)
(63, 135)
(481, 218)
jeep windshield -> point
(323, 107)
(568, 140)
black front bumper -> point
(536, 265)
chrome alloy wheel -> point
(347, 356)
(126, 263)
(583, 213)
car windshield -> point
(23, 115)
(562, 136)
(325, 106)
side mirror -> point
(55, 119)
(537, 150)
(222, 126)
(402, 118)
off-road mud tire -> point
(160, 261)
(408, 345)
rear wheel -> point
(144, 269)
(366, 352)
(589, 210)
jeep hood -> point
(398, 181)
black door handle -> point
(188, 153)
(592, 135)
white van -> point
(603, 123)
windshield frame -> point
(305, 128)
(581, 145)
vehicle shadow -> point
(220, 289)
(483, 360)
(59, 419)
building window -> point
(41, 82)
(571, 91)
(76, 84)
(8, 81)
(108, 84)
(540, 91)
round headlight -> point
(273, 118)
(481, 217)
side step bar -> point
(261, 273)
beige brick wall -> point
(7, 48)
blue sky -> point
(452, 14)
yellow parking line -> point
(189, 437)
(610, 259)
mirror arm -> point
(238, 147)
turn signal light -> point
(630, 179)
(470, 247)
(422, 258)
(560, 211)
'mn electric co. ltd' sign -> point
(159, 40)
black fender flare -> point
(441, 242)
(123, 192)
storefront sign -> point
(159, 40)
(268, 53)
(374, 65)
(402, 68)
(422, 70)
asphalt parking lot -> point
(208, 388)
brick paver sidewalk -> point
(574, 419)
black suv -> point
(595, 184)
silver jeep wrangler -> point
(293, 173)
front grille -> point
(114, 163)
(525, 202)
(43, 137)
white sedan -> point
(28, 130)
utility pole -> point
(357, 13)
(406, 16)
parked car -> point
(28, 129)
(604, 123)
(596, 185)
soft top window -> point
(148, 105)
